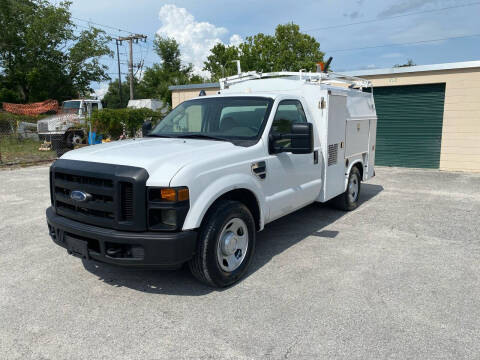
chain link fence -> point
(28, 140)
(20, 143)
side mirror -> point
(299, 141)
(302, 138)
(146, 128)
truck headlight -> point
(167, 208)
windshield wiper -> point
(202, 136)
(160, 135)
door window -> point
(289, 112)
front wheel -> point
(226, 245)
(349, 199)
(73, 138)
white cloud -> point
(235, 40)
(195, 38)
(101, 91)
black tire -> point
(344, 201)
(204, 265)
(69, 138)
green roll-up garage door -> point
(409, 128)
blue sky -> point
(199, 24)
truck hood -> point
(162, 157)
(58, 122)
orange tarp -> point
(32, 109)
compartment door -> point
(335, 163)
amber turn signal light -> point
(168, 194)
(183, 194)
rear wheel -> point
(349, 199)
(226, 245)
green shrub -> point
(111, 122)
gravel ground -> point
(398, 278)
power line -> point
(103, 25)
(88, 28)
(392, 17)
(405, 43)
(109, 27)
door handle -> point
(315, 157)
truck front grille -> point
(126, 194)
(115, 195)
(100, 204)
(42, 127)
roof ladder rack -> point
(314, 77)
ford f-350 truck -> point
(215, 171)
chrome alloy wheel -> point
(353, 186)
(232, 245)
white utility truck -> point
(64, 130)
(215, 171)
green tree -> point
(169, 52)
(156, 79)
(220, 62)
(295, 50)
(112, 97)
(170, 71)
(41, 57)
(288, 49)
(155, 82)
(259, 53)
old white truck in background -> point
(64, 130)
(215, 171)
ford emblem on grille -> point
(80, 196)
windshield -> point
(68, 105)
(224, 118)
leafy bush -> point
(112, 121)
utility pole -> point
(119, 73)
(130, 40)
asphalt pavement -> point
(398, 278)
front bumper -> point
(133, 249)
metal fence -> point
(28, 142)
(20, 143)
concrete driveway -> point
(398, 278)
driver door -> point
(293, 180)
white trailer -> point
(152, 104)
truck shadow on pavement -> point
(276, 238)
